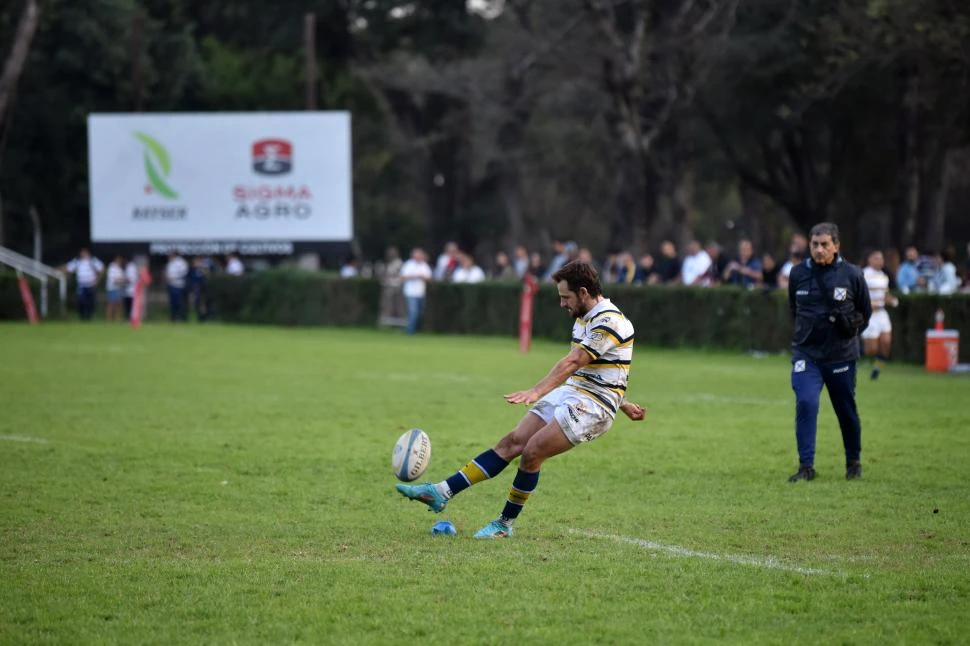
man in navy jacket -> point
(829, 302)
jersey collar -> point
(837, 261)
(599, 307)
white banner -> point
(220, 176)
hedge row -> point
(667, 317)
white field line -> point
(23, 438)
(768, 562)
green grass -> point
(233, 485)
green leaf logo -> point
(158, 166)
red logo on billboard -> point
(272, 156)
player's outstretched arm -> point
(634, 411)
(564, 368)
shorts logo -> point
(840, 293)
(572, 414)
(840, 370)
(800, 365)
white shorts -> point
(580, 418)
(878, 324)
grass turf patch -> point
(224, 484)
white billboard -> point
(220, 176)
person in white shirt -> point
(693, 271)
(877, 338)
(349, 268)
(131, 281)
(115, 288)
(468, 271)
(235, 266)
(945, 280)
(87, 269)
(415, 273)
(176, 271)
(447, 262)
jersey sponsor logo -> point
(801, 292)
(799, 366)
(840, 293)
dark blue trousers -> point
(176, 303)
(807, 379)
(86, 302)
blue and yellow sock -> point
(522, 487)
(487, 465)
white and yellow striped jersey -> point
(878, 283)
(607, 336)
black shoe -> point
(804, 473)
(874, 374)
(853, 470)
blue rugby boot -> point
(495, 529)
(426, 493)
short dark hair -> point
(825, 229)
(578, 274)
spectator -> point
(585, 255)
(564, 252)
(131, 281)
(646, 272)
(668, 269)
(719, 263)
(966, 269)
(416, 273)
(794, 259)
(535, 265)
(87, 270)
(447, 262)
(392, 300)
(197, 279)
(696, 264)
(797, 247)
(468, 271)
(115, 284)
(746, 271)
(771, 271)
(176, 271)
(521, 262)
(626, 268)
(502, 269)
(945, 281)
(350, 268)
(908, 272)
(234, 265)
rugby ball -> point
(412, 455)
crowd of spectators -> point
(696, 265)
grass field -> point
(233, 485)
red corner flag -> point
(138, 303)
(28, 298)
(529, 288)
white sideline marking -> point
(23, 438)
(768, 562)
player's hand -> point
(636, 412)
(526, 397)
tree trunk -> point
(934, 200)
(906, 203)
(14, 66)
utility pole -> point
(310, 46)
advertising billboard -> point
(220, 180)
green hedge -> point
(294, 297)
(722, 318)
(664, 316)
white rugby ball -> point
(412, 455)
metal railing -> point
(41, 272)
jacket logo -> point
(840, 293)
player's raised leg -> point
(484, 466)
(549, 441)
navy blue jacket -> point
(815, 337)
